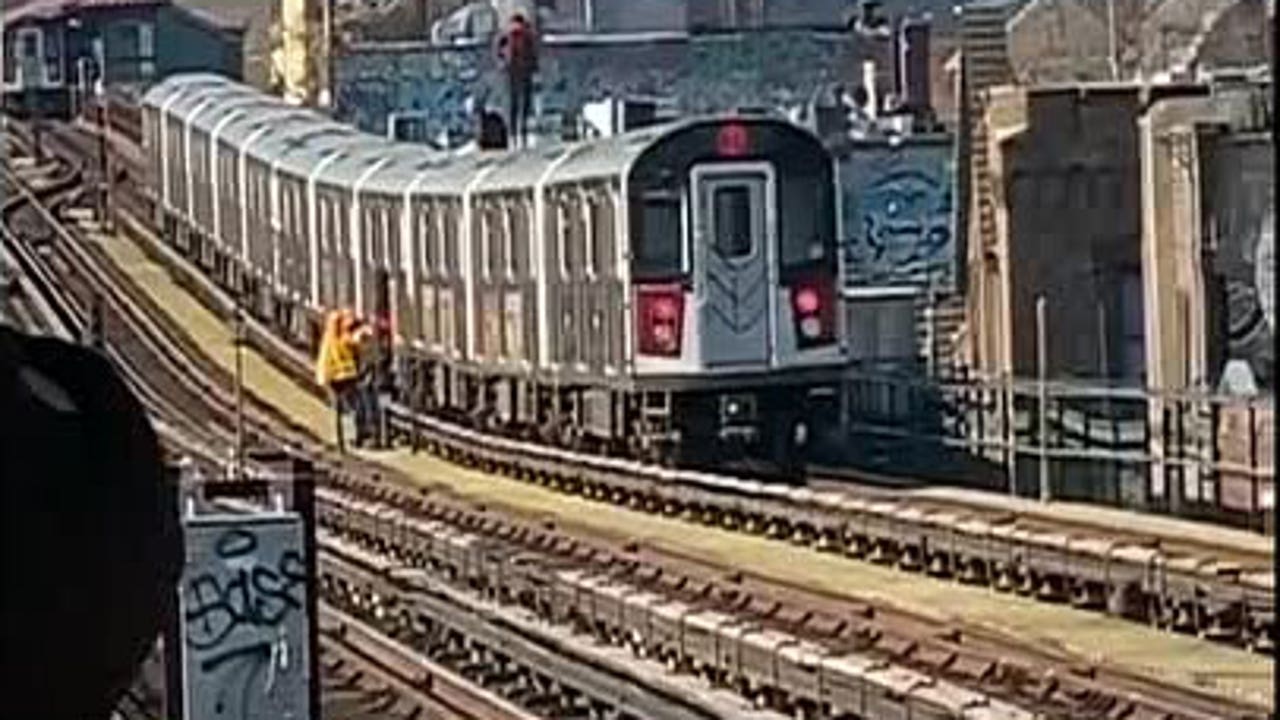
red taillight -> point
(733, 140)
(659, 321)
(807, 301)
(813, 306)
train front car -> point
(733, 280)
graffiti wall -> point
(898, 213)
(697, 73)
(1243, 217)
(244, 619)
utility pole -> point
(1112, 49)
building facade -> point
(1066, 227)
(54, 52)
(1208, 179)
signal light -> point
(661, 313)
(807, 301)
(733, 140)
(813, 310)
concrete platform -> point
(1094, 638)
(1103, 517)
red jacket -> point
(518, 47)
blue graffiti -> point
(899, 219)
(698, 74)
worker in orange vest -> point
(338, 365)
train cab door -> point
(733, 242)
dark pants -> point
(344, 392)
(520, 93)
(366, 409)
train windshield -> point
(805, 236)
(657, 238)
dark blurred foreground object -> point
(91, 548)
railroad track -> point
(355, 478)
(184, 408)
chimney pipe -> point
(869, 83)
(913, 59)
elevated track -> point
(947, 541)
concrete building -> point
(252, 20)
(1066, 225)
(53, 49)
(1057, 41)
(640, 16)
(1208, 179)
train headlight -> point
(810, 328)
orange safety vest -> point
(336, 359)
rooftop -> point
(18, 10)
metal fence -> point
(1184, 453)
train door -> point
(733, 274)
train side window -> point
(589, 235)
(520, 242)
(440, 213)
(491, 242)
(565, 210)
(657, 240)
(450, 219)
(391, 248)
(602, 234)
(482, 242)
(508, 212)
(427, 248)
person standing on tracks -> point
(518, 50)
(366, 390)
(337, 368)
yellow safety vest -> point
(336, 358)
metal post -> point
(1254, 495)
(239, 351)
(1042, 408)
(303, 476)
(104, 166)
(1104, 371)
(1112, 49)
(1009, 407)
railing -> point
(1186, 453)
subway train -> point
(667, 293)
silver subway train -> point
(663, 291)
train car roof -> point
(275, 118)
(306, 144)
(521, 170)
(227, 112)
(299, 139)
(159, 93)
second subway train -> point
(658, 293)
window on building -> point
(27, 62)
(10, 57)
(53, 57)
(130, 51)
